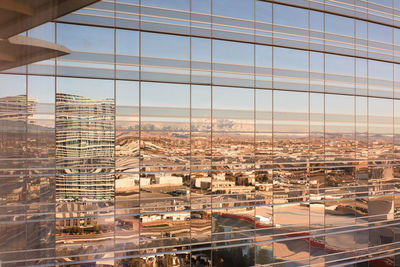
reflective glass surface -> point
(201, 133)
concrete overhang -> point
(17, 16)
(21, 50)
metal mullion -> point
(255, 117)
(140, 120)
(190, 128)
(212, 121)
(115, 117)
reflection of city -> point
(244, 191)
(26, 144)
(290, 194)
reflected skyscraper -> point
(84, 148)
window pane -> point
(316, 72)
(263, 22)
(290, 16)
(290, 26)
(243, 9)
(263, 66)
(291, 127)
(201, 60)
(339, 25)
(92, 47)
(165, 57)
(233, 63)
(290, 69)
(13, 99)
(165, 122)
(380, 79)
(171, 4)
(380, 129)
(127, 54)
(233, 19)
(339, 74)
(380, 40)
(86, 39)
(339, 128)
(233, 127)
(339, 34)
(165, 46)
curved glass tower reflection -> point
(202, 133)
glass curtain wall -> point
(206, 133)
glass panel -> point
(242, 256)
(127, 54)
(127, 181)
(174, 4)
(290, 16)
(380, 78)
(380, 129)
(201, 17)
(44, 32)
(291, 128)
(361, 77)
(290, 69)
(201, 128)
(263, 22)
(380, 40)
(165, 57)
(14, 109)
(92, 47)
(362, 128)
(127, 14)
(317, 148)
(339, 74)
(263, 127)
(361, 38)
(165, 122)
(172, 230)
(345, 7)
(264, 174)
(296, 251)
(40, 128)
(233, 63)
(339, 129)
(263, 66)
(233, 19)
(340, 210)
(85, 139)
(339, 34)
(201, 60)
(290, 26)
(317, 69)
(79, 221)
(85, 39)
(339, 25)
(165, 16)
(233, 127)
